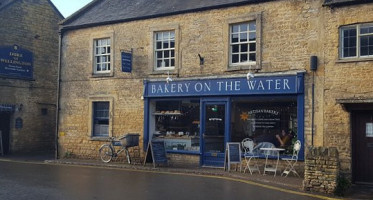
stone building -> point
(199, 74)
(28, 74)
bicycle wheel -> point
(106, 153)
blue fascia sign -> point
(289, 84)
(126, 62)
(16, 62)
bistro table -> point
(268, 150)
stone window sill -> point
(99, 138)
(349, 60)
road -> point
(22, 180)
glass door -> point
(214, 133)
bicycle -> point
(107, 151)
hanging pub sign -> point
(126, 61)
(16, 62)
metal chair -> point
(291, 162)
(248, 146)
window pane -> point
(243, 37)
(159, 54)
(243, 58)
(166, 35)
(364, 41)
(172, 53)
(159, 63)
(158, 36)
(167, 63)
(234, 28)
(172, 37)
(235, 58)
(234, 38)
(172, 62)
(103, 42)
(165, 45)
(108, 49)
(243, 27)
(103, 59)
(364, 51)
(98, 59)
(352, 52)
(352, 32)
(252, 47)
(98, 68)
(108, 66)
(244, 48)
(252, 26)
(252, 57)
(166, 54)
(159, 45)
(252, 36)
(235, 48)
(365, 30)
(108, 42)
(172, 44)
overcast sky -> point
(68, 7)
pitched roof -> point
(4, 3)
(101, 12)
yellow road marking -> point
(183, 174)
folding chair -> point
(248, 146)
(291, 162)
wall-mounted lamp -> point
(201, 60)
(249, 76)
(168, 79)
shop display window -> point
(176, 122)
(269, 122)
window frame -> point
(91, 111)
(357, 27)
(163, 50)
(101, 55)
(152, 45)
(102, 35)
(241, 43)
(257, 17)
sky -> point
(68, 7)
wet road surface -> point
(30, 181)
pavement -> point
(286, 183)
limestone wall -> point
(321, 170)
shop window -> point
(102, 56)
(356, 41)
(176, 123)
(101, 119)
(164, 50)
(272, 122)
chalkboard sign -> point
(232, 154)
(156, 153)
(126, 61)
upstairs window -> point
(164, 50)
(102, 53)
(356, 41)
(242, 48)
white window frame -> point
(171, 38)
(357, 27)
(104, 44)
(252, 17)
(240, 43)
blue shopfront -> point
(199, 116)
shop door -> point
(5, 128)
(362, 144)
(214, 133)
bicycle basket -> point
(130, 140)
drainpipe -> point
(313, 67)
(58, 92)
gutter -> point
(58, 92)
